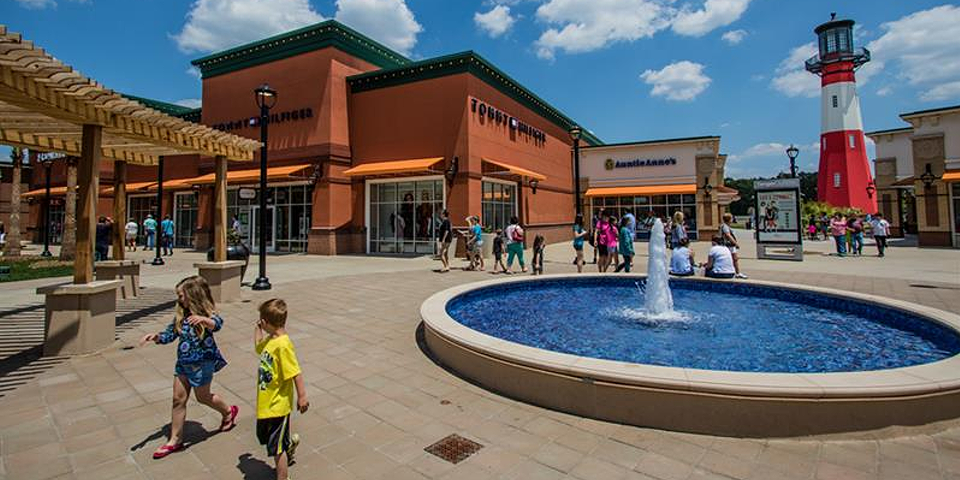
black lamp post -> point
(534, 183)
(707, 188)
(158, 234)
(575, 133)
(871, 189)
(792, 153)
(266, 99)
(47, 162)
(928, 177)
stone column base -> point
(223, 278)
(127, 271)
(79, 318)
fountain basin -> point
(700, 400)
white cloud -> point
(387, 21)
(496, 22)
(218, 24)
(194, 72)
(923, 45)
(769, 158)
(714, 14)
(734, 37)
(791, 79)
(884, 91)
(189, 102)
(37, 4)
(679, 81)
(585, 25)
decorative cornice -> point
(314, 37)
(465, 62)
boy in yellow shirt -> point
(278, 374)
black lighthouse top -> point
(835, 39)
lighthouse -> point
(844, 178)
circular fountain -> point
(728, 358)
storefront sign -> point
(247, 193)
(639, 162)
(279, 117)
(499, 117)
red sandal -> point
(165, 450)
(231, 421)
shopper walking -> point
(579, 234)
(603, 240)
(445, 238)
(626, 247)
(514, 239)
(167, 229)
(679, 232)
(855, 226)
(130, 230)
(881, 230)
(103, 238)
(730, 241)
(150, 230)
(838, 228)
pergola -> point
(45, 105)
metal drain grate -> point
(454, 448)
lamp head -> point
(707, 188)
(928, 177)
(575, 132)
(871, 189)
(534, 183)
(266, 96)
(792, 152)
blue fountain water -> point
(721, 326)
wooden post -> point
(119, 209)
(220, 211)
(68, 240)
(88, 183)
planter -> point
(237, 251)
(486, 250)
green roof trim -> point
(330, 33)
(932, 110)
(662, 140)
(163, 107)
(465, 62)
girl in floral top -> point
(197, 358)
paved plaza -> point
(377, 398)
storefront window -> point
(404, 216)
(56, 221)
(288, 215)
(185, 219)
(647, 208)
(499, 203)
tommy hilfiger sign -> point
(279, 117)
(498, 116)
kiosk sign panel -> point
(777, 210)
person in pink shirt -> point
(603, 238)
(838, 228)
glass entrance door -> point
(404, 216)
(255, 229)
(185, 219)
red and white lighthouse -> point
(844, 178)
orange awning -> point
(248, 176)
(393, 167)
(523, 172)
(684, 188)
(951, 176)
(42, 191)
(133, 187)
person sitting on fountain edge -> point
(681, 260)
(719, 260)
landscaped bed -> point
(31, 268)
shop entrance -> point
(271, 230)
(184, 219)
(403, 216)
(138, 207)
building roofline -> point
(657, 141)
(920, 113)
(329, 33)
(465, 62)
(161, 106)
(889, 131)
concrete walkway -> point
(378, 400)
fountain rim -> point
(928, 379)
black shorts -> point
(602, 250)
(274, 433)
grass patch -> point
(31, 268)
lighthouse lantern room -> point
(844, 175)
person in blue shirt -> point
(166, 230)
(476, 232)
(579, 235)
(150, 230)
(630, 224)
(625, 245)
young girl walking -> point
(197, 358)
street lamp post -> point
(792, 153)
(158, 233)
(575, 133)
(47, 161)
(266, 99)
(871, 189)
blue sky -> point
(626, 69)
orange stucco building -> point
(366, 148)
